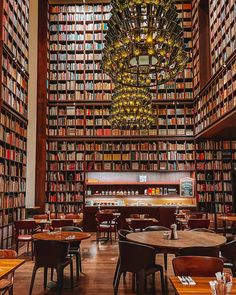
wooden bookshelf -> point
(217, 98)
(79, 101)
(215, 163)
(13, 114)
(222, 32)
(79, 136)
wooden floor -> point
(98, 262)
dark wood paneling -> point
(41, 106)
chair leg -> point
(163, 287)
(59, 280)
(77, 257)
(116, 271)
(140, 282)
(165, 261)
(17, 246)
(80, 261)
(32, 280)
(134, 282)
(45, 277)
(71, 275)
(32, 249)
(27, 248)
(10, 290)
(117, 282)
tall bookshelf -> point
(13, 114)
(79, 135)
(214, 104)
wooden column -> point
(204, 43)
(41, 106)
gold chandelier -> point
(144, 43)
(131, 108)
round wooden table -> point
(186, 239)
(225, 219)
(62, 236)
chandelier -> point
(131, 108)
(144, 43)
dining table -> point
(202, 286)
(158, 240)
(70, 236)
(7, 266)
(225, 219)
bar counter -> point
(165, 214)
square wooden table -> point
(202, 286)
(9, 265)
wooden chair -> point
(200, 251)
(228, 253)
(139, 260)
(24, 229)
(159, 228)
(106, 223)
(198, 223)
(51, 254)
(57, 223)
(140, 224)
(6, 284)
(75, 248)
(198, 266)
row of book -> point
(15, 126)
(74, 131)
(12, 170)
(150, 146)
(12, 185)
(64, 176)
(13, 155)
(78, 27)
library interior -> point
(118, 147)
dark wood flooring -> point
(98, 262)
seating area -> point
(147, 242)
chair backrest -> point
(205, 230)
(8, 254)
(135, 257)
(101, 217)
(198, 223)
(140, 224)
(122, 233)
(26, 226)
(198, 266)
(40, 216)
(200, 251)
(156, 228)
(75, 244)
(229, 251)
(50, 253)
(71, 228)
(62, 222)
